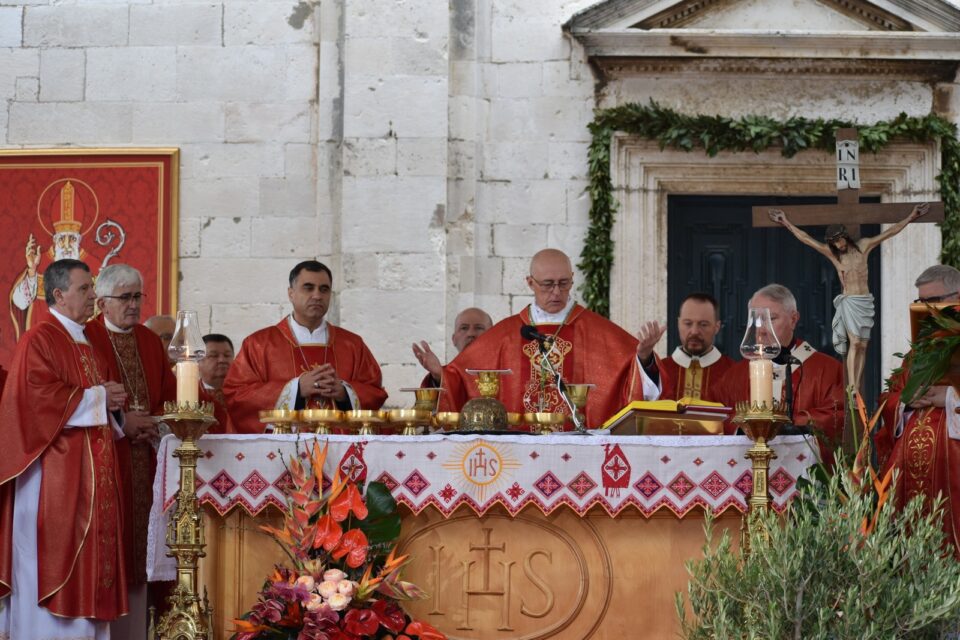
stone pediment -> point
(912, 38)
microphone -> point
(529, 332)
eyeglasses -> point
(127, 298)
(938, 298)
(547, 286)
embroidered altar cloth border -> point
(447, 472)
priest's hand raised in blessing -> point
(116, 395)
(329, 384)
(648, 336)
(428, 360)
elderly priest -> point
(61, 539)
(303, 361)
(582, 346)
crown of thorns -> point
(835, 232)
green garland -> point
(750, 133)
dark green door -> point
(713, 247)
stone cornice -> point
(924, 70)
(707, 43)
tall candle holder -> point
(187, 618)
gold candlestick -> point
(187, 618)
(760, 423)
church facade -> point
(425, 150)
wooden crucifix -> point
(854, 309)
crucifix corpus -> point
(846, 250)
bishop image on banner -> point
(62, 570)
(584, 348)
(303, 361)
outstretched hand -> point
(428, 359)
(648, 336)
(920, 210)
(777, 215)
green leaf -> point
(382, 524)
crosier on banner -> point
(101, 206)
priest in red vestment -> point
(148, 381)
(467, 327)
(817, 379)
(62, 570)
(696, 366)
(214, 367)
(922, 439)
(303, 361)
(583, 347)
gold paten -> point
(187, 617)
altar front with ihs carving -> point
(560, 536)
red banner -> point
(102, 206)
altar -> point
(519, 536)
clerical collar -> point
(304, 335)
(75, 329)
(115, 328)
(539, 316)
(684, 359)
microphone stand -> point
(561, 386)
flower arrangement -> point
(344, 583)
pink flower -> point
(333, 575)
(338, 601)
(306, 582)
(347, 587)
(327, 589)
(315, 602)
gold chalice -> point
(546, 421)
(283, 420)
(446, 420)
(578, 398)
(411, 419)
(426, 397)
(514, 418)
(322, 419)
(366, 418)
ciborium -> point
(283, 420)
(485, 413)
(446, 420)
(366, 418)
(545, 421)
(411, 419)
(321, 420)
(187, 617)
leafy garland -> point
(750, 133)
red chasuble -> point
(818, 396)
(928, 459)
(695, 381)
(271, 357)
(219, 402)
(587, 348)
(149, 384)
(81, 570)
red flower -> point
(390, 615)
(349, 500)
(361, 622)
(353, 545)
(328, 533)
(424, 631)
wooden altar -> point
(603, 567)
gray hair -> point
(116, 275)
(949, 276)
(57, 276)
(777, 293)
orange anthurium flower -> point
(349, 500)
(244, 626)
(353, 545)
(328, 533)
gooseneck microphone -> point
(529, 332)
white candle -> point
(188, 381)
(761, 382)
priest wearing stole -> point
(696, 366)
(303, 361)
(583, 347)
(62, 570)
(148, 381)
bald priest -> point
(582, 346)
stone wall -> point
(423, 149)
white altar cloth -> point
(446, 472)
